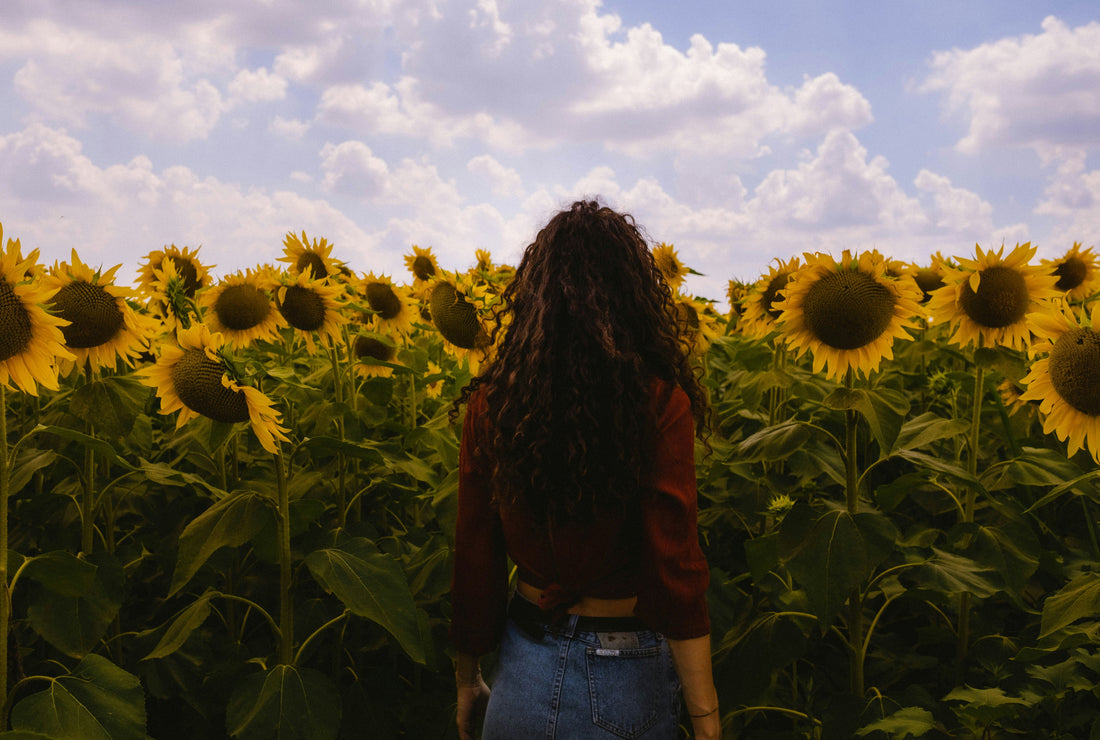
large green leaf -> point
(1080, 598)
(774, 443)
(231, 522)
(98, 700)
(955, 574)
(1012, 549)
(834, 556)
(923, 430)
(371, 584)
(110, 404)
(907, 722)
(26, 464)
(884, 409)
(285, 703)
(61, 572)
(167, 475)
(180, 628)
(104, 449)
(75, 622)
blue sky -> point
(739, 132)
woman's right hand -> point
(708, 727)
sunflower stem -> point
(87, 503)
(341, 462)
(970, 502)
(286, 606)
(855, 601)
(5, 595)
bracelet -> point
(706, 714)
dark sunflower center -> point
(382, 299)
(198, 382)
(303, 308)
(93, 314)
(1075, 370)
(15, 323)
(312, 261)
(689, 316)
(423, 268)
(371, 347)
(189, 273)
(454, 316)
(1071, 273)
(1001, 299)
(928, 280)
(771, 293)
(241, 307)
(848, 309)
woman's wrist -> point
(467, 672)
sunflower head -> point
(312, 258)
(669, 265)
(241, 309)
(31, 342)
(422, 264)
(192, 274)
(698, 320)
(102, 327)
(988, 299)
(1077, 272)
(371, 349)
(311, 305)
(760, 303)
(391, 306)
(847, 313)
(195, 379)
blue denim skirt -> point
(573, 680)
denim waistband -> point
(534, 621)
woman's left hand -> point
(472, 701)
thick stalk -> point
(87, 504)
(970, 503)
(5, 595)
(855, 601)
(341, 463)
(286, 604)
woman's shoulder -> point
(667, 397)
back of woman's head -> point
(588, 324)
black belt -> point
(534, 621)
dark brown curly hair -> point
(588, 324)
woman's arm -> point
(473, 696)
(692, 660)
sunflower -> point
(1066, 382)
(102, 327)
(455, 315)
(484, 260)
(735, 294)
(988, 299)
(193, 274)
(422, 264)
(31, 342)
(392, 306)
(669, 265)
(929, 279)
(1077, 271)
(240, 308)
(311, 305)
(434, 388)
(310, 258)
(194, 379)
(847, 313)
(170, 299)
(760, 315)
(371, 350)
(699, 321)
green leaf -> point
(1079, 598)
(923, 430)
(186, 622)
(1034, 467)
(773, 443)
(109, 404)
(908, 722)
(61, 572)
(883, 408)
(285, 703)
(324, 447)
(1012, 549)
(166, 475)
(372, 585)
(98, 700)
(955, 574)
(835, 556)
(102, 448)
(936, 465)
(74, 624)
(985, 706)
(231, 522)
(29, 462)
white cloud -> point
(260, 85)
(503, 180)
(955, 210)
(288, 128)
(352, 169)
(1040, 91)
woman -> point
(577, 462)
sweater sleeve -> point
(479, 583)
(674, 575)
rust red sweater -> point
(652, 553)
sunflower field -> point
(227, 506)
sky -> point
(740, 132)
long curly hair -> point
(589, 323)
